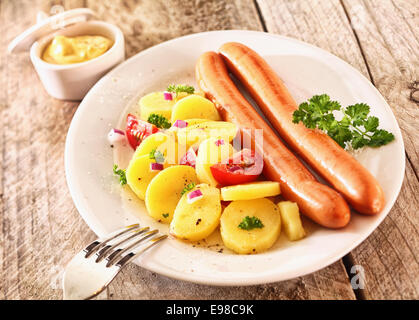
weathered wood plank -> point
(40, 228)
(321, 23)
(146, 23)
(329, 283)
(39, 224)
(389, 256)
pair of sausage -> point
(317, 201)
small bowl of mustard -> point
(71, 52)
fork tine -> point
(113, 256)
(102, 253)
(96, 245)
(130, 256)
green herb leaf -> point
(180, 88)
(121, 174)
(159, 121)
(249, 223)
(379, 138)
(156, 155)
(358, 112)
(189, 187)
(371, 124)
(165, 215)
(355, 129)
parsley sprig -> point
(156, 155)
(249, 223)
(180, 88)
(189, 187)
(159, 121)
(355, 129)
(121, 174)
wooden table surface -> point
(40, 229)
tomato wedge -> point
(244, 166)
(137, 130)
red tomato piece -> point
(244, 166)
(137, 130)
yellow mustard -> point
(67, 50)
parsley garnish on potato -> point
(189, 187)
(355, 129)
(121, 174)
(249, 223)
(159, 121)
(180, 88)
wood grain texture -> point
(40, 227)
(148, 22)
(39, 223)
(389, 59)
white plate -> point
(306, 70)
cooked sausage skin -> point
(340, 169)
(315, 200)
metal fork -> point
(94, 267)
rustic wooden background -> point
(40, 227)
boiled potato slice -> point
(154, 102)
(251, 190)
(190, 122)
(139, 174)
(196, 221)
(182, 95)
(195, 134)
(164, 191)
(194, 106)
(209, 153)
(164, 142)
(254, 240)
(291, 220)
(194, 121)
(152, 142)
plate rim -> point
(267, 278)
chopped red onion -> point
(118, 131)
(116, 136)
(156, 166)
(168, 95)
(180, 124)
(234, 168)
(195, 196)
(189, 158)
(219, 142)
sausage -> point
(340, 169)
(315, 200)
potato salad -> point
(193, 173)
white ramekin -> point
(72, 81)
